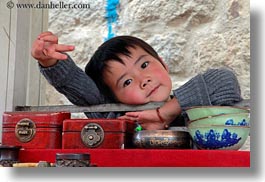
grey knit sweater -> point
(214, 87)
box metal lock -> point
(92, 135)
(25, 130)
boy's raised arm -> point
(62, 73)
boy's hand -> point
(47, 50)
(150, 120)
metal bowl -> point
(162, 139)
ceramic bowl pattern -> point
(235, 119)
(205, 111)
(219, 137)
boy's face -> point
(141, 79)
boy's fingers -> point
(122, 117)
(64, 48)
(46, 46)
(128, 118)
(49, 38)
(55, 55)
(132, 114)
(37, 48)
(44, 34)
(57, 52)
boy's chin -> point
(161, 99)
(157, 100)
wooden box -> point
(38, 130)
(97, 133)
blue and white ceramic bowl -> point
(219, 137)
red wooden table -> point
(147, 157)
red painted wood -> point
(147, 158)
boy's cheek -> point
(132, 97)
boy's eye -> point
(127, 82)
(144, 65)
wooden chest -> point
(97, 133)
(38, 130)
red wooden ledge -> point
(147, 157)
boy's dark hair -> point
(110, 50)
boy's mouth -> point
(153, 90)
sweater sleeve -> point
(214, 87)
(68, 79)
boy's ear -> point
(164, 64)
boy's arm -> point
(62, 73)
(67, 78)
(214, 87)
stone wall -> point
(190, 35)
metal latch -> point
(25, 130)
(92, 135)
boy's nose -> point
(145, 82)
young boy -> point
(126, 69)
